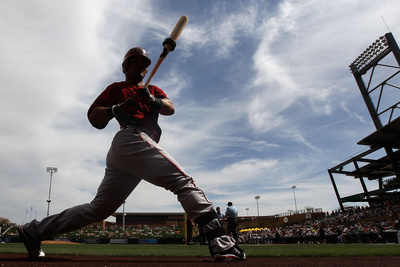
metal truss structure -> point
(379, 65)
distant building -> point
(151, 218)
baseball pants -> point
(133, 156)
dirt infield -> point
(62, 260)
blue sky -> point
(263, 94)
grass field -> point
(315, 250)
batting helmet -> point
(136, 51)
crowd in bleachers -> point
(129, 231)
(339, 227)
(357, 224)
(117, 231)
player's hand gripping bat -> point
(168, 46)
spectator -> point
(220, 216)
(231, 217)
(397, 227)
(322, 235)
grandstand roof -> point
(387, 136)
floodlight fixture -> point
(375, 52)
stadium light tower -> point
(247, 209)
(258, 211)
(294, 195)
(50, 170)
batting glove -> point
(154, 102)
(121, 108)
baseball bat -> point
(168, 46)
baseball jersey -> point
(220, 215)
(231, 212)
(140, 113)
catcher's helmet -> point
(136, 51)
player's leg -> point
(153, 164)
(112, 192)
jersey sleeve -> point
(107, 98)
(157, 92)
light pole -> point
(294, 195)
(258, 211)
(247, 209)
(123, 216)
(51, 170)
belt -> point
(133, 124)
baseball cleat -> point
(234, 253)
(31, 245)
